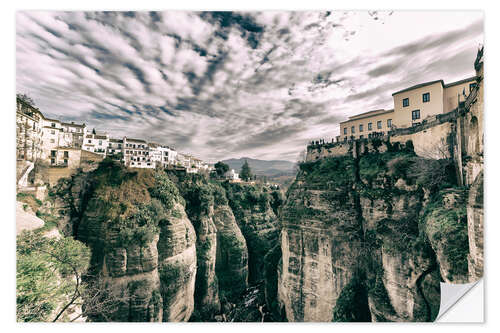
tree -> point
(221, 168)
(49, 276)
(25, 98)
(246, 173)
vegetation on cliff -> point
(386, 206)
(49, 276)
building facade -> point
(136, 154)
(115, 147)
(29, 122)
(411, 106)
(97, 142)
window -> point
(472, 86)
(53, 161)
(345, 139)
(52, 141)
(415, 114)
(65, 161)
(389, 123)
(53, 124)
(100, 142)
(89, 141)
(66, 154)
(52, 132)
(426, 97)
(361, 127)
(53, 153)
(345, 130)
(406, 102)
(369, 126)
(379, 124)
(361, 136)
(352, 129)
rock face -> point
(361, 238)
(143, 245)
(252, 208)
(232, 254)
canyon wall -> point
(364, 237)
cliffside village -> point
(425, 113)
(68, 145)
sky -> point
(234, 84)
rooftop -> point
(135, 140)
(73, 124)
(419, 86)
(367, 115)
(472, 78)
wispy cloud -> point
(226, 84)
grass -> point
(50, 221)
(29, 200)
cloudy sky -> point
(221, 84)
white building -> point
(162, 154)
(29, 122)
(136, 153)
(115, 147)
(96, 143)
(231, 175)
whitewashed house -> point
(136, 154)
(96, 143)
(115, 147)
(232, 175)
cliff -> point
(364, 237)
(142, 243)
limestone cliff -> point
(252, 207)
(142, 243)
(363, 237)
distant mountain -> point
(272, 168)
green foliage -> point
(30, 200)
(164, 190)
(277, 200)
(245, 172)
(336, 171)
(50, 220)
(46, 272)
(221, 168)
(446, 226)
(140, 228)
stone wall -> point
(315, 152)
(433, 142)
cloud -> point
(229, 84)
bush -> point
(46, 272)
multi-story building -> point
(115, 147)
(60, 142)
(136, 153)
(162, 155)
(29, 122)
(411, 106)
(96, 142)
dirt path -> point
(25, 220)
